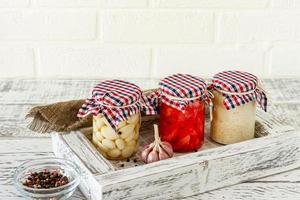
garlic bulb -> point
(157, 150)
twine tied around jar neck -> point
(258, 92)
(258, 87)
(126, 106)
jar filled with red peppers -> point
(181, 104)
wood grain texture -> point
(13, 152)
(18, 96)
(215, 168)
(87, 162)
(250, 191)
(205, 171)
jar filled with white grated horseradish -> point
(116, 107)
(236, 94)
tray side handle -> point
(73, 146)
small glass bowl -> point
(66, 167)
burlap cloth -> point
(62, 117)
(58, 117)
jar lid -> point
(179, 90)
(117, 100)
(239, 88)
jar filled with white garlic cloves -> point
(116, 107)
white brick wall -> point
(206, 61)
(94, 62)
(148, 38)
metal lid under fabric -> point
(179, 90)
(117, 100)
(239, 88)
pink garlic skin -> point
(152, 156)
(157, 150)
(162, 154)
(168, 148)
(145, 153)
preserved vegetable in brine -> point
(116, 107)
(181, 104)
(235, 97)
(183, 129)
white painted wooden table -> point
(18, 144)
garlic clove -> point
(109, 133)
(167, 147)
(120, 143)
(102, 147)
(127, 151)
(126, 131)
(98, 135)
(108, 144)
(99, 123)
(152, 156)
(114, 153)
(133, 119)
(145, 153)
(130, 137)
(162, 155)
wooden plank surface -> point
(17, 96)
(13, 152)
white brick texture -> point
(92, 3)
(286, 4)
(47, 25)
(158, 27)
(148, 38)
(256, 26)
(94, 62)
(205, 62)
(124, 3)
(67, 3)
(14, 3)
(285, 61)
(210, 3)
(16, 62)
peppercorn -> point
(46, 179)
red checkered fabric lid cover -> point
(239, 88)
(179, 90)
(117, 100)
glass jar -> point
(181, 105)
(232, 126)
(183, 129)
(116, 106)
(116, 144)
(236, 94)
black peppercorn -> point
(46, 179)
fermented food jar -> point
(182, 111)
(116, 106)
(236, 94)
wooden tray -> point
(276, 149)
